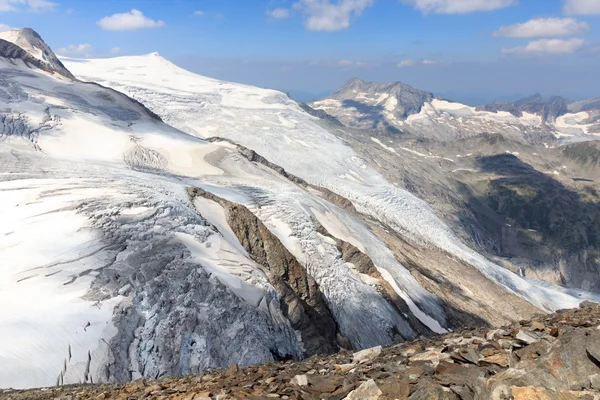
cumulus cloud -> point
(582, 7)
(115, 50)
(412, 63)
(548, 46)
(279, 13)
(27, 5)
(84, 49)
(544, 27)
(198, 13)
(128, 21)
(458, 6)
(4, 27)
(330, 15)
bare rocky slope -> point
(551, 357)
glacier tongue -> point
(100, 287)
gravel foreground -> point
(553, 357)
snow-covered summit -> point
(32, 43)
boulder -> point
(366, 354)
(366, 391)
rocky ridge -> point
(551, 357)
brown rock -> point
(326, 384)
(536, 393)
(398, 389)
(449, 374)
(500, 359)
(344, 367)
(434, 356)
(466, 355)
(537, 326)
(414, 373)
(428, 390)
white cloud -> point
(412, 63)
(406, 63)
(543, 27)
(548, 46)
(348, 63)
(40, 5)
(128, 21)
(115, 50)
(4, 27)
(84, 49)
(458, 6)
(582, 7)
(27, 5)
(341, 63)
(198, 13)
(279, 13)
(330, 15)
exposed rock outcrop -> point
(301, 300)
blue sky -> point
(471, 50)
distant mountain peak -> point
(387, 104)
(35, 50)
(548, 108)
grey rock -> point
(527, 337)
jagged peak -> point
(37, 52)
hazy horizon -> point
(474, 51)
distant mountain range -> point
(397, 107)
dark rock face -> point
(301, 300)
(548, 222)
(585, 153)
(548, 108)
(550, 357)
(319, 114)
